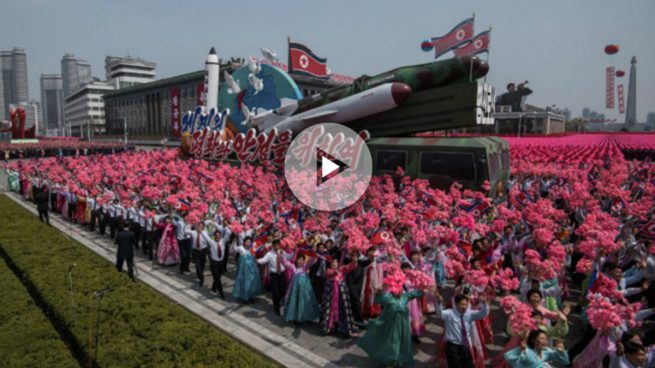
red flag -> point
(381, 237)
(619, 92)
(609, 87)
(200, 93)
(476, 46)
(303, 61)
(461, 34)
(175, 111)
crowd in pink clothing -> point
(576, 215)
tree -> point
(574, 125)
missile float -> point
(368, 95)
(372, 101)
(417, 77)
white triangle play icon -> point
(327, 166)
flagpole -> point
(288, 55)
(471, 68)
(485, 76)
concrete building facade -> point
(74, 73)
(13, 79)
(52, 104)
(85, 109)
(122, 72)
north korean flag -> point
(303, 61)
(461, 34)
(476, 46)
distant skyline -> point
(556, 45)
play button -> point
(328, 167)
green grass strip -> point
(138, 327)
(27, 339)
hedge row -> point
(27, 339)
(138, 327)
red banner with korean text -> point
(175, 112)
(619, 92)
(200, 92)
(264, 148)
(609, 87)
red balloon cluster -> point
(620, 73)
(611, 49)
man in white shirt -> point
(199, 239)
(93, 205)
(216, 261)
(133, 219)
(112, 210)
(276, 269)
(143, 232)
(634, 356)
(104, 218)
(458, 328)
(184, 242)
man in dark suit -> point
(514, 96)
(126, 240)
(42, 197)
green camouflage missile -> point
(417, 77)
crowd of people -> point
(571, 233)
(49, 147)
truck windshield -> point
(458, 166)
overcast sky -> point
(557, 45)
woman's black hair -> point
(609, 266)
(628, 335)
(536, 313)
(534, 291)
(630, 348)
(532, 337)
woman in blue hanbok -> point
(388, 338)
(536, 353)
(300, 302)
(247, 284)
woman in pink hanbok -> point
(416, 319)
(603, 343)
(336, 312)
(425, 264)
(168, 252)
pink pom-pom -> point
(420, 280)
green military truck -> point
(469, 161)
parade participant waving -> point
(388, 338)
